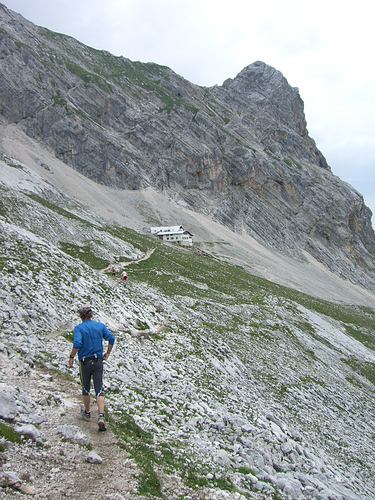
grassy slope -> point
(208, 282)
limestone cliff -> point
(239, 152)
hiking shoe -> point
(86, 415)
(101, 423)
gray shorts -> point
(92, 368)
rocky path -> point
(145, 257)
(61, 455)
(113, 269)
(51, 461)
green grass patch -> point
(309, 380)
(51, 35)
(141, 325)
(169, 458)
(107, 71)
(58, 100)
(175, 271)
(224, 484)
(138, 443)
(128, 235)
(87, 76)
(304, 382)
(68, 336)
(7, 432)
(194, 476)
(83, 253)
(355, 315)
(311, 354)
(305, 326)
(57, 209)
(271, 154)
(3, 209)
(190, 107)
(44, 364)
(291, 162)
(366, 338)
(354, 381)
(245, 470)
(364, 368)
(19, 44)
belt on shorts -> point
(90, 358)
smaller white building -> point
(173, 234)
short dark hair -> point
(85, 312)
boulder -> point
(73, 434)
(28, 431)
(94, 458)
(8, 403)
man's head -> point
(85, 312)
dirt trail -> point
(113, 269)
(57, 469)
(114, 478)
(145, 257)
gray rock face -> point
(8, 404)
(239, 152)
(262, 96)
(14, 403)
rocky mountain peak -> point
(264, 89)
(239, 153)
(259, 74)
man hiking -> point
(88, 342)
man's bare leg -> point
(86, 402)
(100, 403)
(101, 420)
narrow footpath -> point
(51, 462)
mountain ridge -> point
(242, 158)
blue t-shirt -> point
(88, 338)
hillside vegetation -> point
(222, 383)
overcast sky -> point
(325, 48)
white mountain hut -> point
(173, 234)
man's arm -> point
(77, 343)
(109, 349)
(108, 335)
(72, 356)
